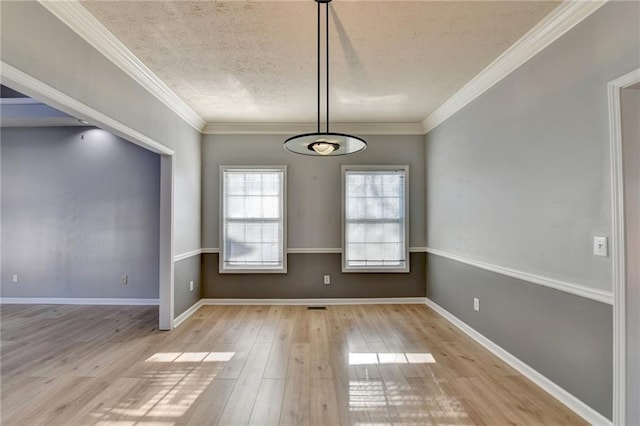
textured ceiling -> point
(255, 61)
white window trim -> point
(376, 269)
(221, 267)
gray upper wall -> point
(37, 43)
(79, 209)
(314, 192)
(520, 177)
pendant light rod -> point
(327, 60)
(326, 36)
(318, 67)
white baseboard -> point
(76, 301)
(313, 302)
(186, 314)
(579, 407)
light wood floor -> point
(258, 365)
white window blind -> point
(375, 234)
(253, 208)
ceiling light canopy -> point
(326, 143)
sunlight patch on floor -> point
(169, 396)
(370, 358)
(400, 403)
(132, 423)
(191, 357)
(174, 381)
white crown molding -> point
(577, 406)
(77, 301)
(575, 289)
(87, 26)
(618, 252)
(320, 302)
(55, 98)
(297, 128)
(564, 17)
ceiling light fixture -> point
(326, 143)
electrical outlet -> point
(125, 279)
(600, 246)
(14, 278)
(190, 285)
(327, 279)
(476, 304)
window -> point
(252, 222)
(375, 230)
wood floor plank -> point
(268, 406)
(208, 408)
(353, 335)
(269, 329)
(367, 328)
(19, 398)
(278, 363)
(98, 409)
(350, 405)
(296, 399)
(441, 405)
(323, 403)
(240, 403)
(60, 405)
(390, 336)
(320, 365)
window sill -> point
(376, 270)
(252, 271)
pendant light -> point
(326, 143)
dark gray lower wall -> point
(185, 271)
(305, 280)
(566, 338)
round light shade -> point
(324, 144)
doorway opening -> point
(624, 109)
(21, 83)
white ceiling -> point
(255, 61)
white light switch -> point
(14, 278)
(600, 246)
(190, 285)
